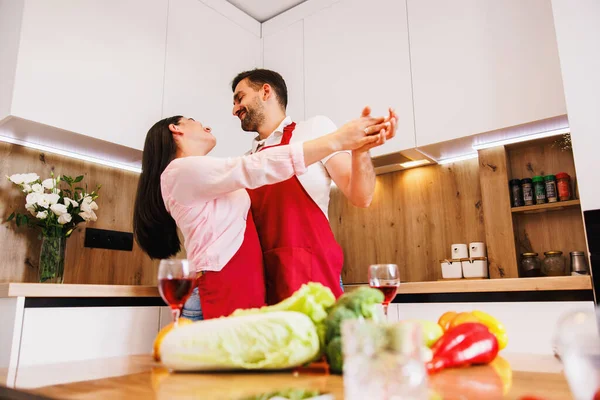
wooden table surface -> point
(141, 378)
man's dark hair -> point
(258, 77)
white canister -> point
(477, 249)
(451, 269)
(475, 268)
(459, 251)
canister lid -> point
(577, 253)
(538, 178)
(549, 178)
(562, 175)
(529, 254)
(514, 182)
(526, 180)
(552, 253)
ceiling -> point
(263, 10)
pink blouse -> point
(206, 197)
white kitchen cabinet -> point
(356, 54)
(482, 65)
(205, 51)
(93, 67)
(578, 33)
(283, 51)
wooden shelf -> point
(494, 285)
(539, 208)
(75, 290)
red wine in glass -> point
(386, 278)
(389, 292)
(176, 291)
(175, 284)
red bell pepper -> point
(465, 344)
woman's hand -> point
(365, 132)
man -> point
(291, 216)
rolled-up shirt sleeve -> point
(189, 179)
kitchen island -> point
(139, 377)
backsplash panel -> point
(21, 247)
(415, 217)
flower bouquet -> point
(56, 211)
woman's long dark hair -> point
(154, 229)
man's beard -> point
(253, 119)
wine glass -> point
(386, 278)
(175, 284)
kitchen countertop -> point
(139, 377)
(559, 283)
(74, 290)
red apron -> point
(296, 239)
(240, 284)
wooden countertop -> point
(450, 286)
(138, 377)
(495, 285)
(73, 290)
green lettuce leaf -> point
(274, 340)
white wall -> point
(11, 12)
(578, 37)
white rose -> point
(59, 209)
(31, 177)
(93, 205)
(52, 198)
(33, 198)
(37, 188)
(65, 218)
(68, 201)
(88, 215)
(17, 179)
(42, 215)
(27, 188)
(48, 183)
(43, 202)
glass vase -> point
(52, 259)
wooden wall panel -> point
(20, 247)
(415, 216)
(493, 172)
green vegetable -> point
(358, 304)
(273, 340)
(312, 299)
(291, 394)
(432, 331)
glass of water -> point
(383, 361)
(577, 343)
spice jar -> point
(553, 264)
(539, 189)
(563, 183)
(527, 190)
(530, 265)
(516, 198)
(551, 193)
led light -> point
(519, 139)
(457, 159)
(48, 149)
(415, 163)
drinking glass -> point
(383, 361)
(175, 284)
(386, 278)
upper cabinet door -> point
(283, 51)
(92, 67)
(205, 51)
(482, 65)
(356, 54)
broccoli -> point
(358, 304)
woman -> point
(180, 186)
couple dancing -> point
(255, 227)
